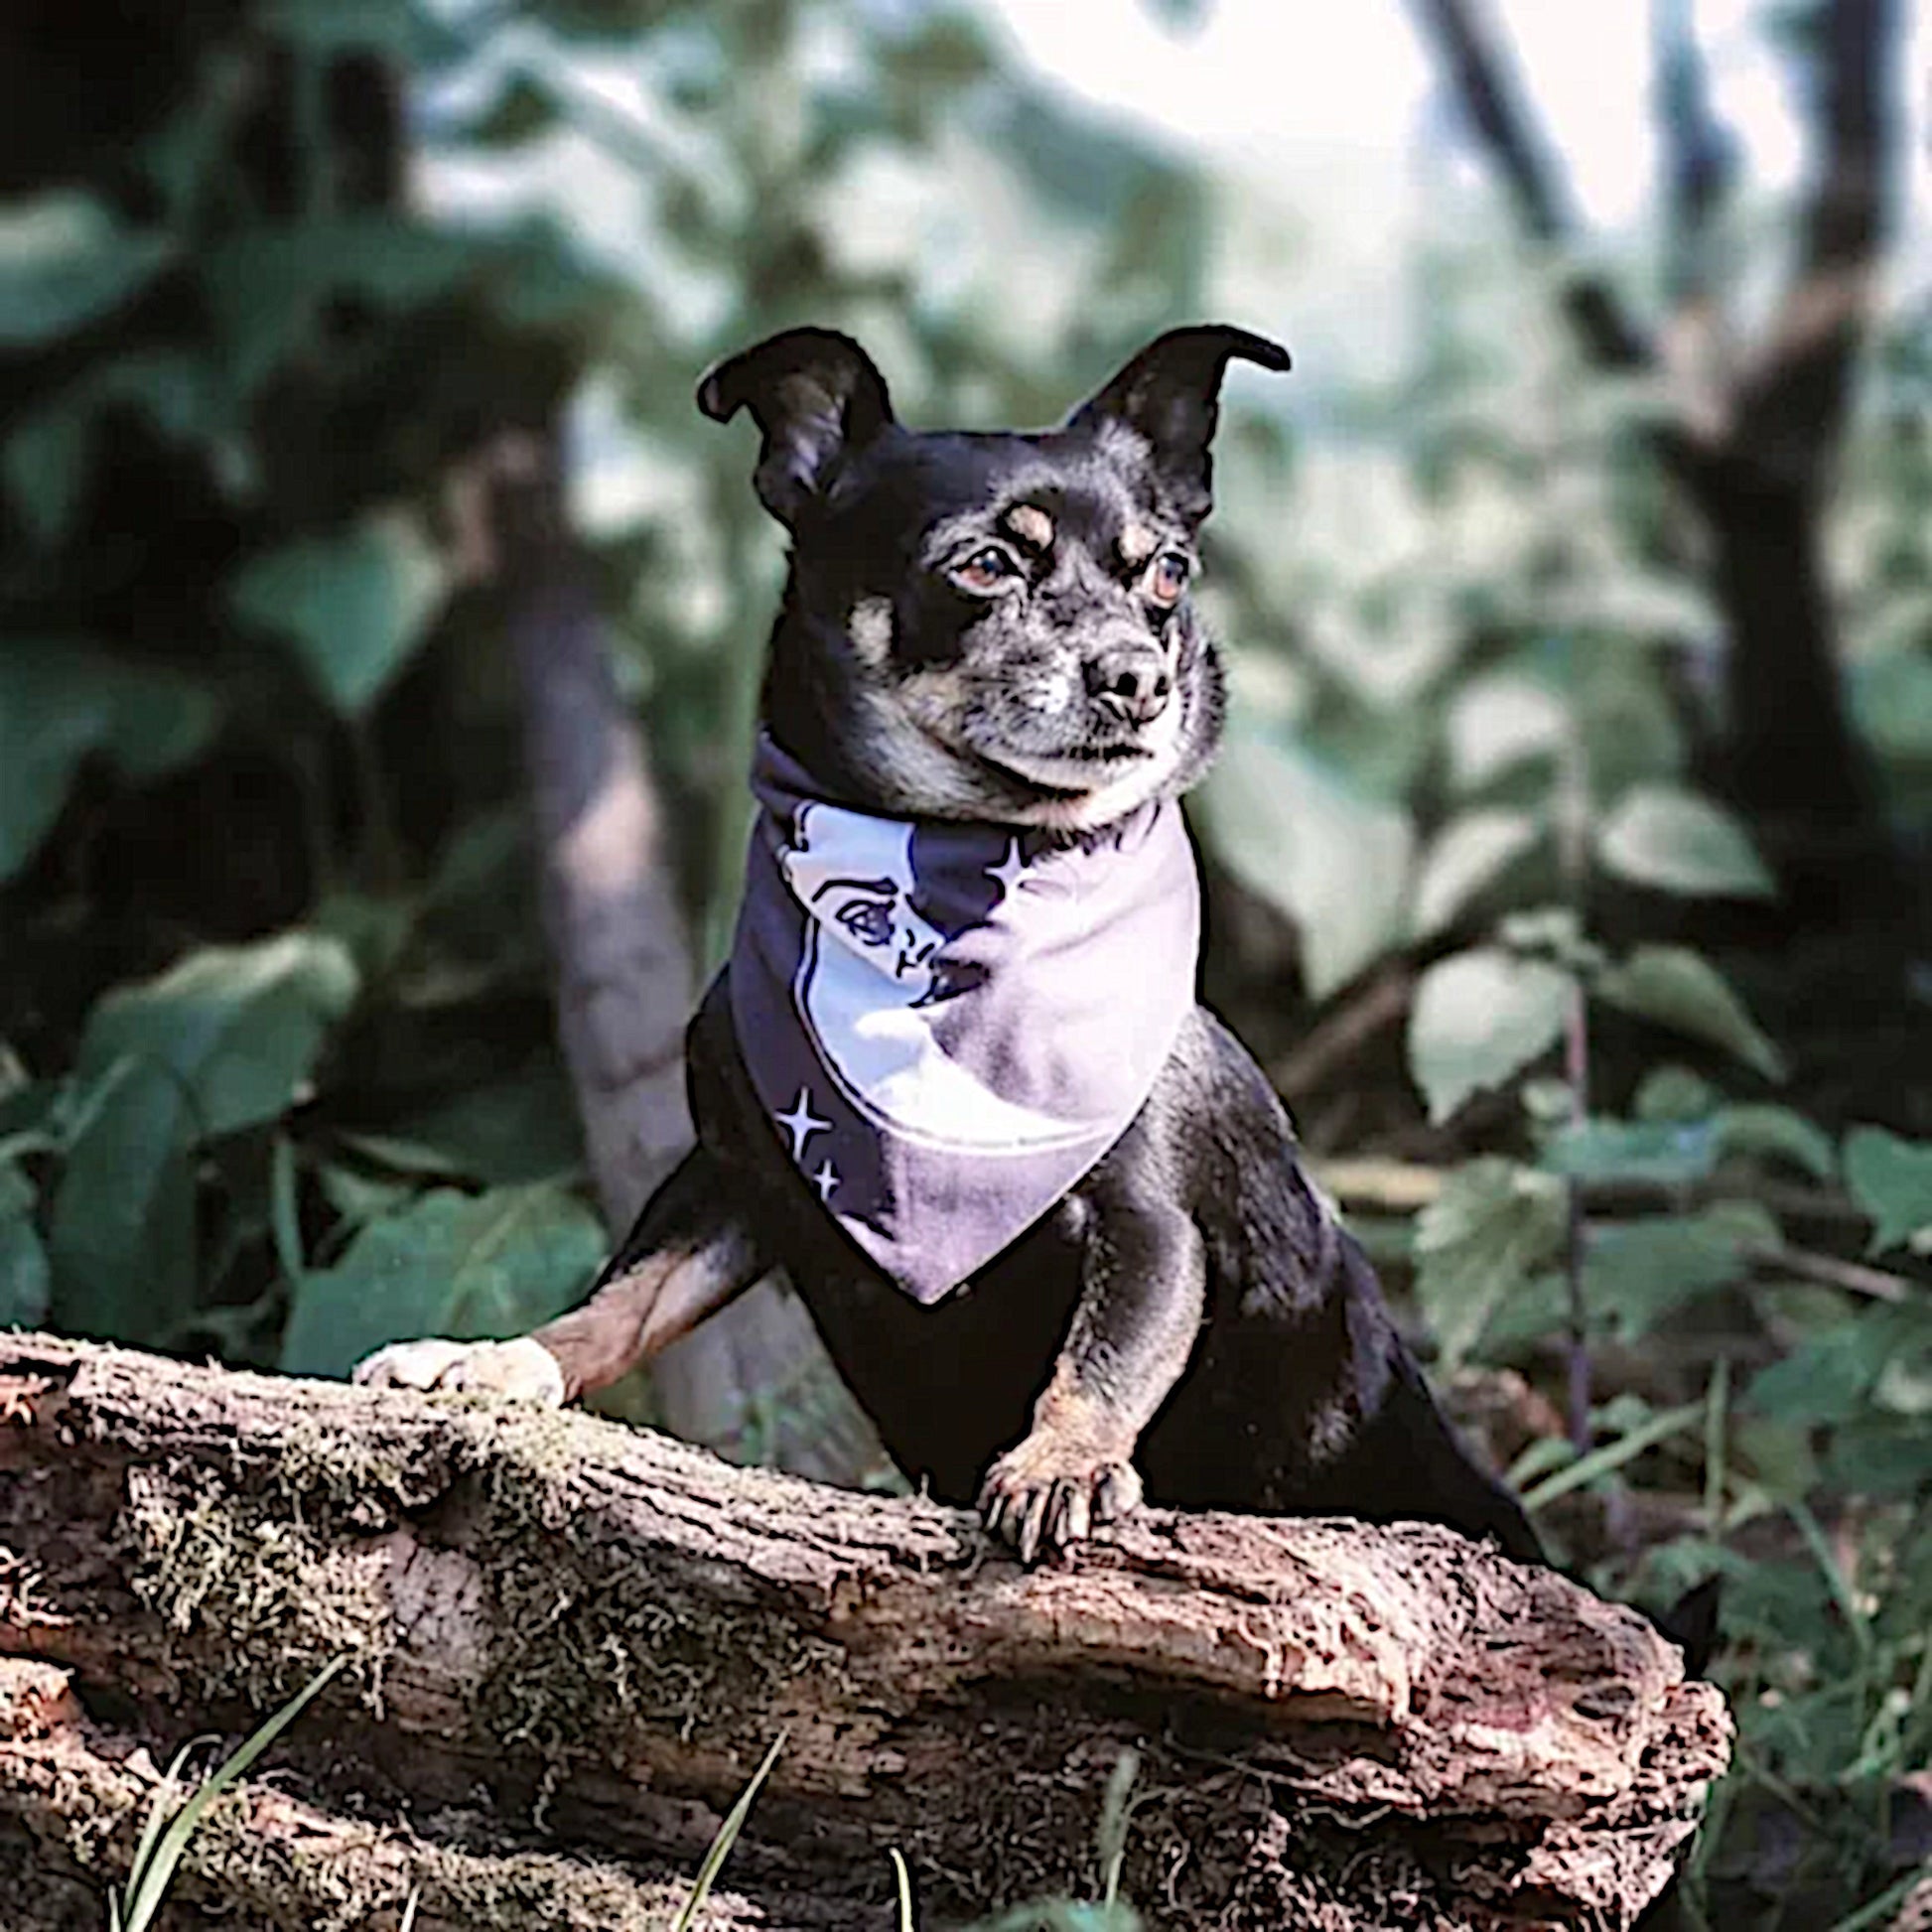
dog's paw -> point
(522, 1370)
(1046, 1494)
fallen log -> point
(570, 1643)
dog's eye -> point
(986, 570)
(1168, 577)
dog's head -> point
(989, 626)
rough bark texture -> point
(571, 1643)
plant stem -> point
(1572, 857)
(1576, 1048)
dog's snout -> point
(1131, 681)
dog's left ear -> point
(815, 394)
(1170, 394)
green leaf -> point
(1630, 723)
(1499, 722)
(399, 29)
(468, 1267)
(61, 700)
(66, 261)
(522, 1128)
(1882, 1455)
(1552, 932)
(1891, 1180)
(1493, 1225)
(1764, 1128)
(123, 1246)
(1674, 1093)
(1669, 838)
(1893, 695)
(1480, 1018)
(354, 607)
(41, 748)
(266, 286)
(1635, 1272)
(45, 459)
(1778, 1454)
(44, 465)
(359, 1197)
(1470, 853)
(1830, 1376)
(1679, 988)
(239, 1028)
(25, 1277)
(1671, 1152)
(1333, 858)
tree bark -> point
(570, 1643)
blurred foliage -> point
(278, 1077)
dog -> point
(1045, 1211)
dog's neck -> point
(950, 1021)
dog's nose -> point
(1131, 681)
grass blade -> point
(1612, 1455)
(1835, 1579)
(1715, 1419)
(148, 1886)
(1870, 1917)
(158, 1813)
(904, 1879)
(714, 1859)
(1116, 1812)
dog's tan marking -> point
(1136, 544)
(1073, 1471)
(1083, 1427)
(870, 627)
(1030, 524)
(641, 1311)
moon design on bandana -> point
(872, 973)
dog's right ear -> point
(814, 394)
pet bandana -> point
(949, 1024)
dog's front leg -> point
(1139, 1314)
(687, 1256)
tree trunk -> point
(624, 980)
(1790, 757)
(569, 1644)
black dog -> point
(992, 631)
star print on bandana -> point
(825, 1180)
(801, 1123)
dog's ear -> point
(814, 394)
(1168, 395)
